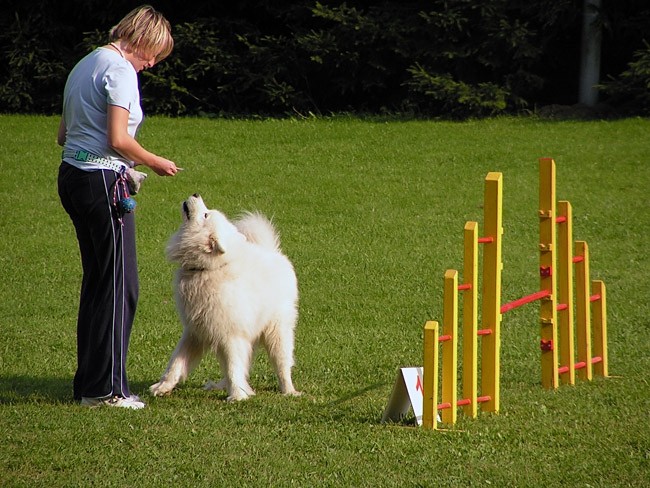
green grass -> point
(371, 213)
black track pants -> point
(109, 287)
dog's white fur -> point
(234, 289)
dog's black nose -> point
(196, 195)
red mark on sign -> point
(418, 385)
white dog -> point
(234, 288)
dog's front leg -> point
(235, 360)
(186, 357)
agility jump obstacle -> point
(563, 354)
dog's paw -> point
(237, 398)
(239, 394)
(160, 389)
(293, 393)
(211, 385)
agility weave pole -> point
(556, 311)
(555, 294)
(490, 333)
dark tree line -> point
(436, 58)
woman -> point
(101, 114)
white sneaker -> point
(133, 402)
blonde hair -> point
(146, 32)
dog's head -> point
(204, 236)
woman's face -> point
(141, 61)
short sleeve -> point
(121, 84)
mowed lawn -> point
(371, 212)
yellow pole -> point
(470, 319)
(599, 319)
(583, 315)
(548, 312)
(450, 346)
(565, 292)
(491, 304)
(430, 376)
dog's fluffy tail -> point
(259, 229)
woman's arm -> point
(121, 141)
(60, 137)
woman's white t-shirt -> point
(101, 78)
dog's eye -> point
(206, 215)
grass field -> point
(371, 213)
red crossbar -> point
(564, 306)
(580, 365)
(560, 220)
(464, 286)
(481, 332)
(578, 259)
(464, 401)
(485, 240)
(524, 300)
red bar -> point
(483, 332)
(444, 338)
(485, 240)
(464, 401)
(594, 298)
(580, 365)
(578, 259)
(596, 359)
(560, 220)
(562, 306)
(523, 301)
(562, 369)
(465, 286)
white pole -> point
(590, 53)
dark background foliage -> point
(440, 58)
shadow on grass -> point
(31, 389)
(358, 393)
(347, 407)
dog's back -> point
(259, 230)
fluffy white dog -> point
(234, 289)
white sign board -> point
(407, 393)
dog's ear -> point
(214, 245)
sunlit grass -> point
(371, 214)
